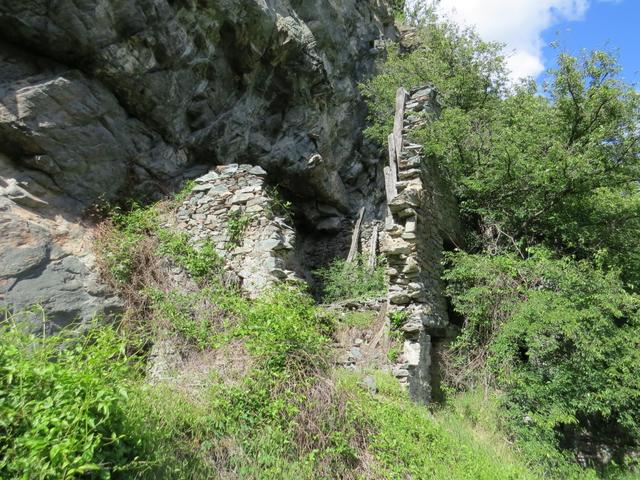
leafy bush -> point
(558, 169)
(283, 326)
(237, 224)
(201, 262)
(63, 404)
(397, 320)
(561, 339)
(127, 240)
(347, 281)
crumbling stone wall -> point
(422, 217)
(234, 198)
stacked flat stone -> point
(263, 254)
(412, 244)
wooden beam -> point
(391, 192)
(373, 248)
(393, 158)
(355, 239)
(398, 123)
(389, 185)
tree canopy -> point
(546, 177)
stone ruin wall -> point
(264, 251)
(422, 220)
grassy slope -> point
(411, 442)
(282, 421)
(286, 414)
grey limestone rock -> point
(109, 99)
(153, 83)
(36, 272)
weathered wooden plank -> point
(398, 122)
(393, 157)
(355, 239)
(373, 249)
(391, 192)
(390, 185)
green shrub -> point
(128, 239)
(348, 281)
(237, 224)
(201, 262)
(282, 326)
(397, 319)
(63, 405)
(560, 337)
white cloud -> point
(517, 23)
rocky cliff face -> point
(112, 99)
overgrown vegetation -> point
(63, 404)
(411, 443)
(547, 183)
(256, 398)
(128, 238)
(72, 406)
(548, 355)
(552, 329)
(238, 222)
(278, 206)
(342, 280)
(90, 413)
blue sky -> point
(610, 25)
(527, 27)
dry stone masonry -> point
(421, 222)
(231, 208)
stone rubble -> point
(262, 254)
(365, 347)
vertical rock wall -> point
(422, 218)
(115, 100)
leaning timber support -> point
(393, 165)
(355, 239)
(391, 192)
(373, 248)
(398, 123)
